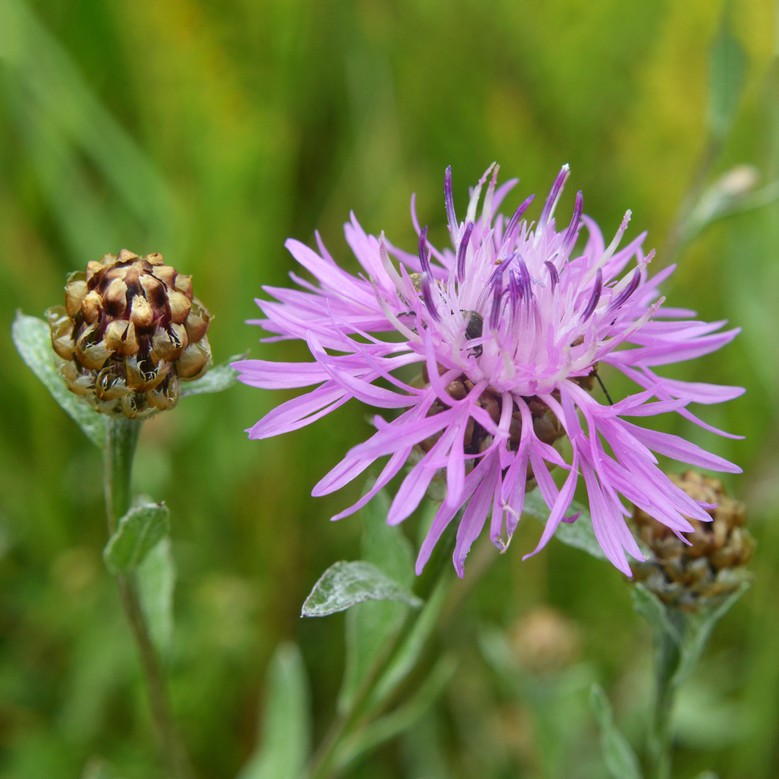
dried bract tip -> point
(130, 329)
(700, 574)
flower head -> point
(503, 334)
(129, 330)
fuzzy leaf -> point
(345, 584)
(139, 530)
(33, 341)
(156, 577)
(217, 379)
(621, 761)
(286, 734)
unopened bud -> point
(699, 574)
(129, 330)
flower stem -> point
(119, 452)
(325, 763)
(667, 657)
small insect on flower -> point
(508, 329)
(474, 329)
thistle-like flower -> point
(490, 350)
(710, 565)
(129, 330)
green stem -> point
(667, 657)
(325, 761)
(119, 453)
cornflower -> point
(503, 335)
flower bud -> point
(702, 573)
(130, 329)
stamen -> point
(524, 277)
(624, 294)
(573, 227)
(427, 296)
(594, 298)
(497, 300)
(462, 250)
(553, 275)
(515, 289)
(554, 196)
(449, 201)
(424, 254)
(514, 221)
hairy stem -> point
(119, 452)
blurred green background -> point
(211, 132)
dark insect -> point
(473, 330)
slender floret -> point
(508, 329)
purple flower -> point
(490, 350)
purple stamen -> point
(554, 195)
(427, 296)
(515, 289)
(514, 221)
(424, 254)
(449, 200)
(461, 251)
(524, 277)
(553, 274)
(497, 300)
(594, 298)
(623, 296)
(573, 227)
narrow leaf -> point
(286, 730)
(345, 584)
(33, 341)
(156, 578)
(217, 379)
(727, 72)
(139, 530)
(621, 761)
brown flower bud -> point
(694, 576)
(129, 330)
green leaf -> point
(655, 612)
(344, 584)
(578, 534)
(621, 761)
(727, 73)
(217, 379)
(371, 626)
(286, 731)
(698, 627)
(33, 341)
(139, 530)
(156, 579)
